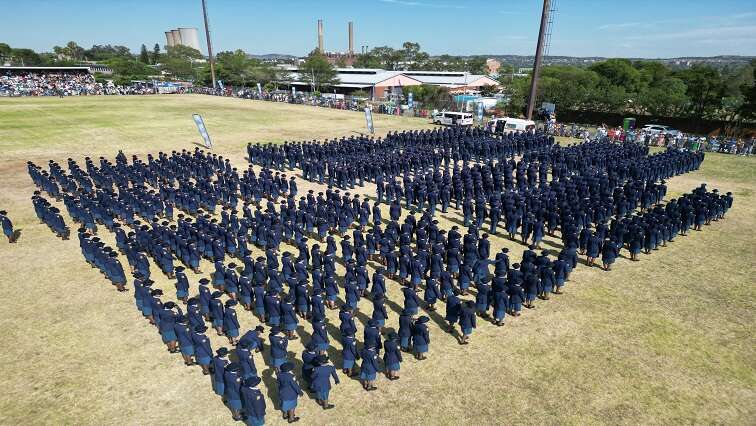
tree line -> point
(614, 85)
(643, 88)
(411, 57)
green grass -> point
(667, 340)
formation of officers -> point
(603, 198)
(347, 162)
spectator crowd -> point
(64, 83)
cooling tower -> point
(190, 37)
(176, 37)
(169, 41)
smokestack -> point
(320, 36)
(351, 38)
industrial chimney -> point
(351, 38)
(320, 36)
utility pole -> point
(209, 44)
(537, 61)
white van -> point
(503, 125)
(453, 118)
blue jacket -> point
(202, 346)
(246, 361)
(420, 334)
(372, 337)
(321, 378)
(349, 349)
(319, 333)
(467, 319)
(288, 388)
(278, 346)
(232, 383)
(219, 367)
(392, 353)
(369, 361)
(230, 322)
(253, 402)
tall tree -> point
(155, 53)
(185, 52)
(179, 62)
(104, 52)
(748, 108)
(430, 96)
(476, 65)
(127, 69)
(618, 72)
(704, 88)
(412, 56)
(318, 71)
(388, 57)
(667, 98)
(144, 57)
(74, 51)
(5, 52)
(367, 60)
(26, 57)
(567, 87)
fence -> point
(684, 124)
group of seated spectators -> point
(48, 84)
(64, 83)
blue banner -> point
(202, 130)
(480, 111)
(259, 89)
(410, 100)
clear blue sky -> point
(638, 28)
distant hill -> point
(273, 57)
(526, 61)
(681, 62)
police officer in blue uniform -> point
(321, 381)
(288, 392)
(253, 402)
(392, 356)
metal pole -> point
(537, 61)
(209, 45)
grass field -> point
(668, 340)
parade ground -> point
(666, 340)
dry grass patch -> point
(666, 340)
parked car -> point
(659, 128)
